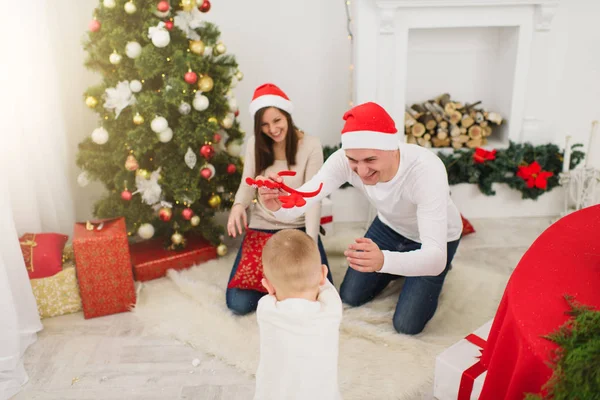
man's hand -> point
(364, 256)
(270, 197)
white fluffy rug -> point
(375, 362)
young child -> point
(299, 322)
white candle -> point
(567, 158)
(589, 156)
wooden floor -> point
(113, 357)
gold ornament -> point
(220, 48)
(195, 221)
(91, 101)
(197, 47)
(131, 163)
(221, 250)
(188, 5)
(205, 84)
(177, 238)
(239, 75)
(213, 120)
(214, 201)
(143, 173)
(138, 119)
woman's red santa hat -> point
(369, 126)
(269, 95)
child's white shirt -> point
(299, 342)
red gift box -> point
(151, 260)
(103, 267)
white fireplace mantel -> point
(382, 43)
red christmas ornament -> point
(165, 214)
(207, 151)
(187, 214)
(205, 7)
(169, 25)
(126, 195)
(217, 138)
(206, 173)
(163, 6)
(94, 25)
(231, 168)
(236, 113)
(190, 77)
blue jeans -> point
(242, 301)
(418, 299)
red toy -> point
(294, 199)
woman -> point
(277, 145)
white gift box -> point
(452, 362)
(327, 215)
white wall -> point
(303, 47)
(300, 46)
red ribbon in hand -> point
(294, 199)
(470, 374)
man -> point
(417, 229)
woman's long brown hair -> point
(263, 144)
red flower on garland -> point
(481, 155)
(533, 175)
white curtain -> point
(35, 194)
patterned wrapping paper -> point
(58, 294)
(104, 267)
(249, 273)
(151, 260)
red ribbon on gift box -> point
(470, 374)
(326, 220)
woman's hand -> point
(237, 219)
(270, 197)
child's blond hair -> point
(292, 262)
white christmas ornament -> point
(234, 149)
(115, 58)
(100, 136)
(130, 8)
(146, 231)
(109, 3)
(159, 35)
(208, 51)
(83, 179)
(119, 97)
(133, 49)
(188, 22)
(200, 102)
(185, 108)
(149, 188)
(233, 106)
(190, 158)
(159, 124)
(166, 135)
(135, 86)
(228, 121)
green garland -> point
(502, 166)
(576, 364)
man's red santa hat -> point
(369, 126)
(269, 95)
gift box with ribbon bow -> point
(459, 374)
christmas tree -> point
(168, 143)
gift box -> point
(327, 215)
(459, 375)
(151, 259)
(103, 266)
(58, 294)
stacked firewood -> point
(442, 122)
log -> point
(483, 124)
(454, 131)
(445, 98)
(475, 132)
(495, 118)
(442, 133)
(424, 143)
(455, 117)
(487, 131)
(479, 117)
(438, 142)
(443, 124)
(418, 129)
(411, 139)
(438, 108)
(474, 143)
(419, 108)
(456, 145)
(427, 136)
(409, 120)
(463, 131)
(461, 138)
(467, 121)
(438, 117)
(412, 112)
(428, 121)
